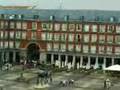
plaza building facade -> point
(73, 38)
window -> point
(101, 28)
(18, 25)
(43, 36)
(64, 27)
(11, 16)
(82, 18)
(70, 47)
(101, 50)
(101, 38)
(93, 38)
(17, 44)
(85, 49)
(63, 36)
(35, 16)
(47, 26)
(44, 26)
(94, 28)
(6, 44)
(12, 25)
(110, 28)
(1, 16)
(1, 24)
(33, 35)
(66, 18)
(11, 34)
(18, 35)
(71, 27)
(34, 25)
(57, 26)
(86, 28)
(6, 24)
(49, 36)
(6, 35)
(79, 27)
(24, 25)
(71, 37)
(52, 17)
(1, 44)
(109, 50)
(1, 34)
(23, 35)
(78, 48)
(20, 16)
(109, 38)
(11, 44)
(63, 47)
(117, 39)
(117, 29)
(49, 46)
(56, 36)
(117, 50)
(112, 19)
(93, 49)
(56, 47)
(78, 37)
(86, 38)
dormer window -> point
(11, 16)
(82, 18)
(36, 17)
(112, 19)
(97, 18)
(2, 16)
(20, 16)
(66, 18)
(52, 18)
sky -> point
(66, 4)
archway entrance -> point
(33, 52)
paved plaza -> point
(91, 81)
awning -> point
(113, 68)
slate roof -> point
(44, 14)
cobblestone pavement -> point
(82, 81)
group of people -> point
(67, 82)
(7, 66)
(44, 77)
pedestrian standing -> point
(104, 83)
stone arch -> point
(33, 51)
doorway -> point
(33, 52)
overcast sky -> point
(67, 4)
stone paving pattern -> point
(82, 82)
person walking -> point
(108, 84)
(104, 83)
